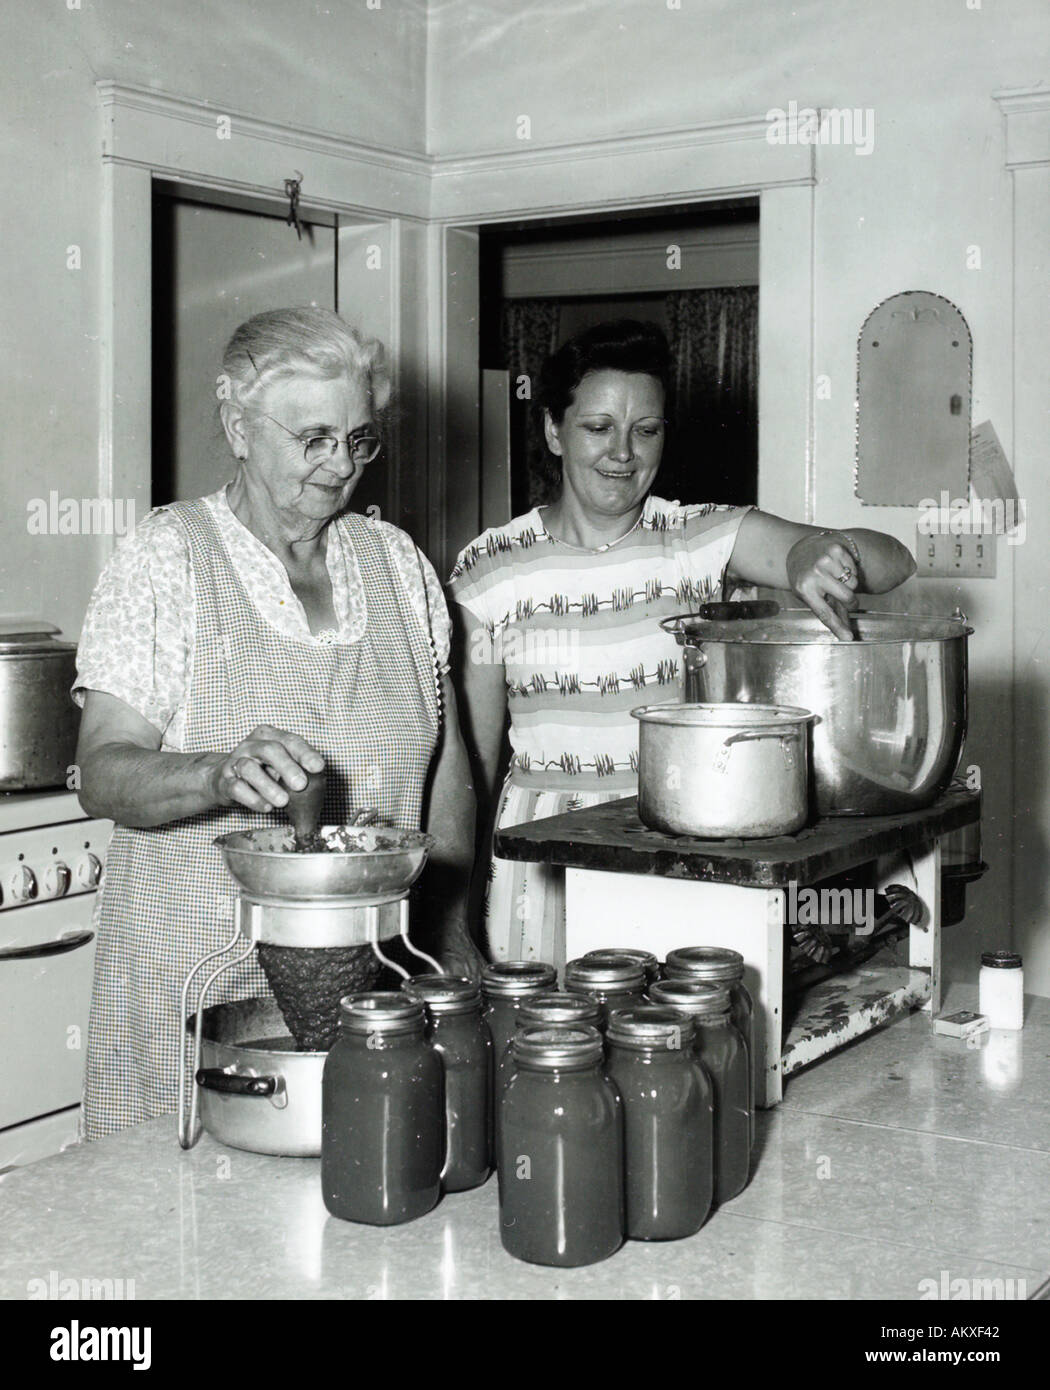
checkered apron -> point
(371, 707)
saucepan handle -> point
(232, 1083)
(763, 731)
(787, 737)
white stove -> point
(51, 862)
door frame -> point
(149, 136)
(706, 163)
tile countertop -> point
(906, 1157)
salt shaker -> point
(1001, 987)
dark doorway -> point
(692, 270)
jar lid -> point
(651, 1025)
(705, 963)
(444, 994)
(1001, 960)
(557, 1007)
(546, 1048)
(509, 979)
(649, 963)
(698, 997)
(611, 974)
(385, 1011)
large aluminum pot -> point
(38, 720)
(723, 771)
(256, 1091)
(891, 705)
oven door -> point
(47, 957)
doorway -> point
(215, 265)
(217, 260)
(692, 270)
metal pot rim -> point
(730, 713)
(690, 628)
(216, 1014)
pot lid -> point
(26, 636)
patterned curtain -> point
(712, 447)
(530, 334)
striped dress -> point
(577, 632)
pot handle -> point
(786, 737)
(232, 1083)
(695, 656)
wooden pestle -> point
(305, 809)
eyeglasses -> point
(322, 448)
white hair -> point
(283, 343)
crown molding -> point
(705, 161)
(205, 113)
(651, 142)
(177, 136)
(1027, 114)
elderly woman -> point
(560, 608)
(233, 645)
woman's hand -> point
(251, 775)
(824, 575)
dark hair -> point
(622, 345)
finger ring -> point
(845, 575)
(238, 767)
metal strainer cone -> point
(308, 983)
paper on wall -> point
(991, 476)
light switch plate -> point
(955, 557)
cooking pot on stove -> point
(723, 770)
(890, 706)
(256, 1091)
(38, 720)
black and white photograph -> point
(525, 668)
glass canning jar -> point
(459, 1035)
(668, 1130)
(383, 1112)
(560, 1152)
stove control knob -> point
(88, 871)
(20, 884)
(56, 879)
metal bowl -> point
(366, 863)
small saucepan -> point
(256, 1091)
(721, 771)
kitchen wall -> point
(347, 68)
(929, 207)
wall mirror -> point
(913, 401)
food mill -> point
(316, 920)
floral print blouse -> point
(137, 641)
